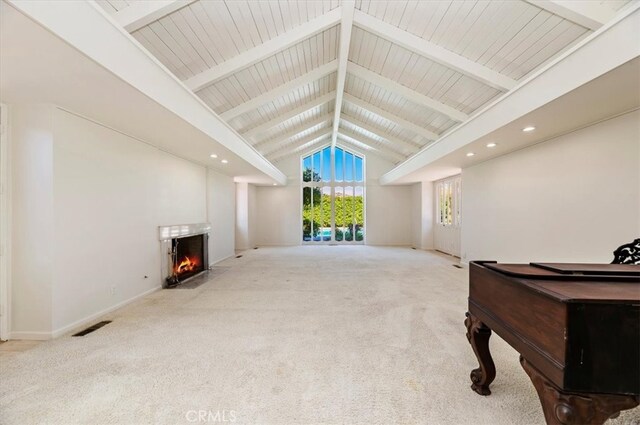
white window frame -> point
(332, 184)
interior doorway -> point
(448, 220)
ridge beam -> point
(346, 25)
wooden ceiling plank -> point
(357, 144)
(433, 52)
(264, 51)
(275, 153)
(406, 92)
(140, 14)
(421, 131)
(283, 138)
(255, 131)
(588, 14)
(393, 140)
(283, 89)
(371, 143)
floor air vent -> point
(456, 266)
(93, 328)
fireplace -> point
(185, 252)
(187, 256)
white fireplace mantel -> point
(182, 230)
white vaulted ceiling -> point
(389, 77)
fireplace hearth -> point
(186, 252)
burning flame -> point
(186, 265)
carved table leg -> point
(562, 408)
(478, 335)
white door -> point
(448, 221)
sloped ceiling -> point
(392, 75)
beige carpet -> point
(301, 335)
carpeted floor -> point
(300, 335)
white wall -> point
(87, 203)
(246, 216)
(416, 215)
(32, 234)
(111, 193)
(388, 220)
(428, 214)
(574, 198)
(279, 218)
(387, 209)
(279, 215)
(253, 215)
(221, 213)
(422, 215)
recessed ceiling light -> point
(491, 145)
(224, 161)
(528, 128)
(213, 155)
(470, 154)
(275, 184)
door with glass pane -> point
(448, 218)
(333, 197)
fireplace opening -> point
(188, 258)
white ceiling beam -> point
(374, 144)
(433, 52)
(589, 14)
(346, 25)
(142, 13)
(363, 147)
(344, 141)
(309, 106)
(283, 150)
(300, 149)
(394, 142)
(283, 138)
(88, 28)
(411, 126)
(281, 90)
(406, 92)
(347, 141)
(264, 51)
(592, 57)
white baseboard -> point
(221, 260)
(83, 322)
(390, 245)
(31, 336)
(275, 245)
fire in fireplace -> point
(184, 251)
(188, 257)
